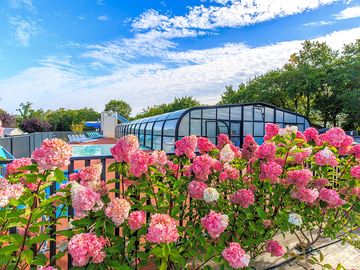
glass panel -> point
(300, 119)
(196, 113)
(236, 141)
(258, 129)
(195, 128)
(269, 114)
(223, 113)
(235, 113)
(223, 127)
(148, 140)
(209, 113)
(235, 129)
(307, 124)
(176, 114)
(162, 116)
(149, 128)
(289, 118)
(300, 127)
(184, 126)
(157, 143)
(259, 140)
(169, 144)
(248, 113)
(248, 128)
(279, 116)
(258, 113)
(169, 128)
(210, 129)
(142, 127)
(158, 128)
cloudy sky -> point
(77, 53)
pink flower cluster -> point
(355, 172)
(215, 223)
(270, 171)
(326, 157)
(355, 150)
(136, 220)
(52, 154)
(205, 145)
(226, 154)
(84, 199)
(305, 194)
(159, 158)
(162, 229)
(139, 162)
(202, 167)
(300, 155)
(243, 197)
(249, 147)
(118, 210)
(236, 256)
(124, 147)
(320, 183)
(331, 197)
(9, 191)
(196, 189)
(186, 146)
(274, 248)
(299, 178)
(311, 134)
(266, 151)
(85, 248)
(267, 223)
(334, 136)
(229, 173)
(14, 167)
(223, 140)
(271, 130)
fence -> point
(24, 145)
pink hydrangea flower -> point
(266, 151)
(355, 150)
(305, 194)
(52, 154)
(186, 146)
(84, 199)
(139, 161)
(345, 146)
(90, 174)
(223, 139)
(236, 256)
(270, 171)
(196, 189)
(299, 178)
(9, 191)
(320, 183)
(326, 157)
(355, 192)
(311, 134)
(162, 229)
(14, 167)
(334, 136)
(300, 155)
(85, 248)
(118, 210)
(267, 223)
(226, 154)
(249, 147)
(229, 173)
(124, 147)
(355, 172)
(236, 150)
(215, 223)
(274, 248)
(173, 168)
(205, 145)
(159, 158)
(243, 197)
(136, 220)
(202, 167)
(271, 130)
(331, 197)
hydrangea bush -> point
(205, 204)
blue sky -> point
(77, 53)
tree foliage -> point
(119, 106)
(31, 125)
(317, 81)
(7, 119)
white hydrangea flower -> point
(295, 219)
(245, 259)
(226, 154)
(288, 130)
(211, 195)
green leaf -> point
(261, 212)
(59, 175)
(327, 266)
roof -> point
(10, 131)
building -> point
(12, 132)
(237, 120)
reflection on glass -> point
(223, 113)
(209, 113)
(258, 129)
(195, 128)
(258, 113)
(279, 116)
(269, 114)
(169, 128)
(184, 126)
(235, 113)
(248, 128)
(248, 113)
(158, 128)
(289, 118)
(168, 144)
(157, 143)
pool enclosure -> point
(237, 120)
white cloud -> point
(232, 14)
(23, 29)
(348, 13)
(57, 82)
(318, 23)
(103, 18)
(17, 4)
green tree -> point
(119, 106)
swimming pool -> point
(93, 150)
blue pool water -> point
(91, 150)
